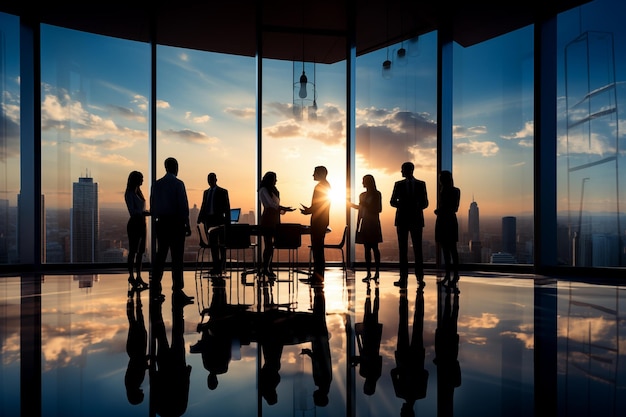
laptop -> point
(234, 215)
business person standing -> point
(215, 214)
(410, 198)
(170, 212)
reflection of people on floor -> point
(410, 378)
(269, 377)
(169, 376)
(320, 350)
(368, 335)
(136, 345)
(216, 339)
(446, 353)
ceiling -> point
(314, 31)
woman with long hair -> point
(136, 229)
(368, 229)
(447, 226)
(272, 210)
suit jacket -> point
(409, 205)
(221, 207)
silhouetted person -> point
(409, 377)
(446, 224)
(170, 213)
(368, 229)
(409, 197)
(320, 350)
(136, 345)
(216, 338)
(271, 343)
(368, 336)
(170, 374)
(320, 218)
(446, 354)
(269, 196)
(215, 214)
(136, 228)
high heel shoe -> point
(141, 285)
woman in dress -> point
(368, 230)
(447, 226)
(272, 210)
(136, 229)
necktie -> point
(211, 201)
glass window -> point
(304, 130)
(493, 148)
(206, 119)
(9, 136)
(94, 131)
(591, 103)
(396, 121)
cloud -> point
(126, 113)
(197, 119)
(486, 148)
(9, 132)
(188, 136)
(246, 113)
(527, 131)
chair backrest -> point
(342, 242)
(202, 234)
(237, 236)
(288, 236)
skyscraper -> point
(473, 232)
(85, 224)
(473, 222)
(509, 235)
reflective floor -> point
(496, 345)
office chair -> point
(337, 246)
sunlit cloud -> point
(184, 57)
(463, 132)
(486, 148)
(484, 321)
(126, 113)
(162, 104)
(188, 136)
(528, 339)
(197, 119)
(526, 132)
(246, 113)
(284, 129)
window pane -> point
(300, 133)
(592, 96)
(396, 121)
(206, 120)
(9, 136)
(94, 122)
(493, 148)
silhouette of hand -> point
(187, 230)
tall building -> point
(85, 224)
(509, 235)
(473, 232)
(473, 222)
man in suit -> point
(215, 214)
(320, 218)
(409, 197)
(170, 212)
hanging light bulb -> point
(303, 81)
(401, 58)
(414, 46)
(387, 67)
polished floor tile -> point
(80, 345)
